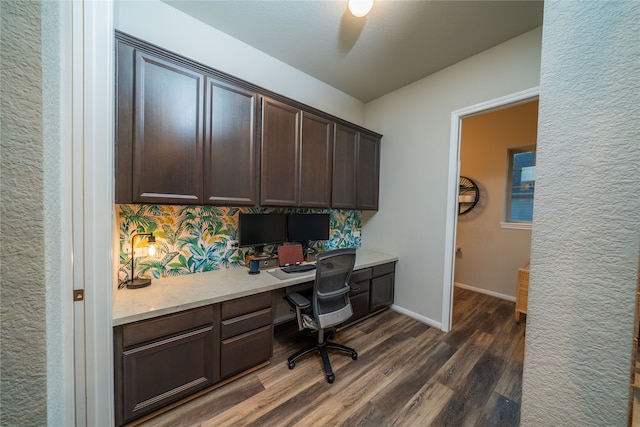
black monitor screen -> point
(307, 227)
(261, 229)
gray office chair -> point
(329, 305)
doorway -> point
(451, 227)
(493, 237)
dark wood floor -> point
(407, 374)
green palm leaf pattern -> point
(192, 239)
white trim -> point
(485, 291)
(451, 224)
(93, 206)
(452, 182)
(75, 206)
(516, 225)
(416, 316)
(70, 375)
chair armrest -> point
(298, 300)
(332, 294)
(354, 287)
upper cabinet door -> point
(230, 177)
(368, 172)
(280, 155)
(315, 163)
(344, 168)
(167, 132)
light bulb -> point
(152, 249)
(360, 8)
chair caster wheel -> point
(292, 365)
(331, 379)
(354, 355)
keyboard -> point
(298, 268)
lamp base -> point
(138, 283)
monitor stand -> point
(267, 260)
(309, 251)
(258, 252)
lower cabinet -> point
(382, 284)
(162, 360)
(246, 333)
(375, 290)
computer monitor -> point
(307, 228)
(258, 230)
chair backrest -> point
(330, 301)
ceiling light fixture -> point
(360, 8)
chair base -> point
(322, 349)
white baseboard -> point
(417, 316)
(486, 292)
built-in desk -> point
(183, 334)
(174, 294)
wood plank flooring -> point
(407, 374)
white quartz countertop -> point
(174, 294)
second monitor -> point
(307, 228)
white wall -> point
(586, 229)
(169, 28)
(415, 122)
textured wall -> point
(586, 229)
(22, 294)
(491, 255)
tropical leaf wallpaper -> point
(193, 239)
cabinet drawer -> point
(245, 351)
(240, 306)
(380, 270)
(241, 324)
(163, 372)
(360, 275)
(364, 287)
(148, 330)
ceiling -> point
(399, 42)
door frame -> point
(87, 163)
(451, 222)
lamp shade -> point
(152, 245)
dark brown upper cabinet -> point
(189, 134)
(356, 169)
(280, 154)
(160, 112)
(345, 151)
(296, 157)
(316, 155)
(182, 136)
(230, 177)
(368, 172)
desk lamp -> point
(135, 283)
